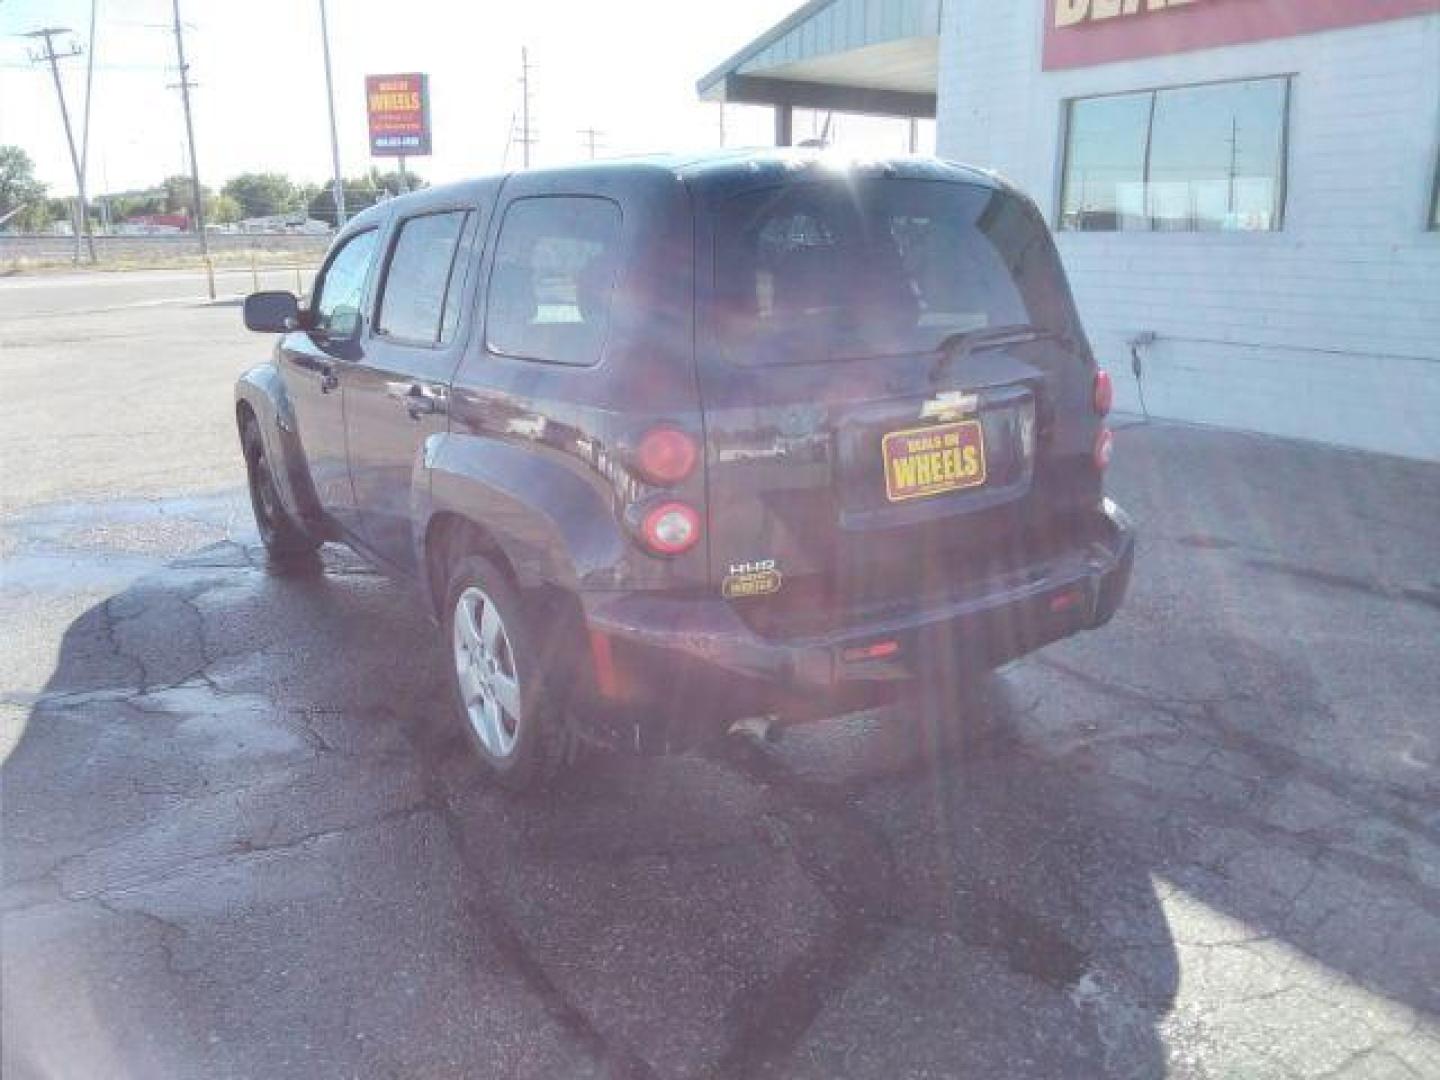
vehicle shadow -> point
(969, 887)
(906, 892)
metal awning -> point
(862, 56)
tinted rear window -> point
(889, 267)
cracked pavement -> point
(240, 840)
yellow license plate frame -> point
(921, 463)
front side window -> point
(554, 276)
(342, 287)
(1188, 159)
(422, 280)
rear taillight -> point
(672, 528)
(666, 456)
(1104, 393)
(1104, 448)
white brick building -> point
(1252, 182)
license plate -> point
(933, 460)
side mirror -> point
(272, 312)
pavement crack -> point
(1207, 713)
(1348, 583)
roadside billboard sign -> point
(398, 107)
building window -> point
(1435, 200)
(1187, 159)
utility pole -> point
(339, 182)
(199, 201)
(590, 136)
(47, 35)
(525, 137)
(85, 133)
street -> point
(240, 838)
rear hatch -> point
(896, 393)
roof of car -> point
(719, 166)
(714, 171)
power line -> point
(47, 35)
(509, 139)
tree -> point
(21, 192)
(179, 197)
(223, 209)
(128, 204)
(360, 192)
(390, 181)
(263, 194)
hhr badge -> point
(759, 578)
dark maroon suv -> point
(671, 442)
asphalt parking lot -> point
(239, 840)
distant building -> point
(152, 224)
(284, 223)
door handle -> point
(328, 380)
(423, 401)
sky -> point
(625, 67)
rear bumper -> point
(695, 659)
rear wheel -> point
(506, 683)
(284, 538)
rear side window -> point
(342, 287)
(888, 267)
(554, 279)
(420, 303)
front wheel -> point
(284, 538)
(505, 686)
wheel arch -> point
(260, 396)
(449, 536)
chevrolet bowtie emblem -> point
(950, 405)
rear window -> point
(890, 267)
(554, 274)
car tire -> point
(506, 677)
(285, 539)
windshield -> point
(833, 270)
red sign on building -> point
(1079, 33)
(399, 110)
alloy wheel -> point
(486, 673)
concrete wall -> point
(1327, 330)
(144, 248)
